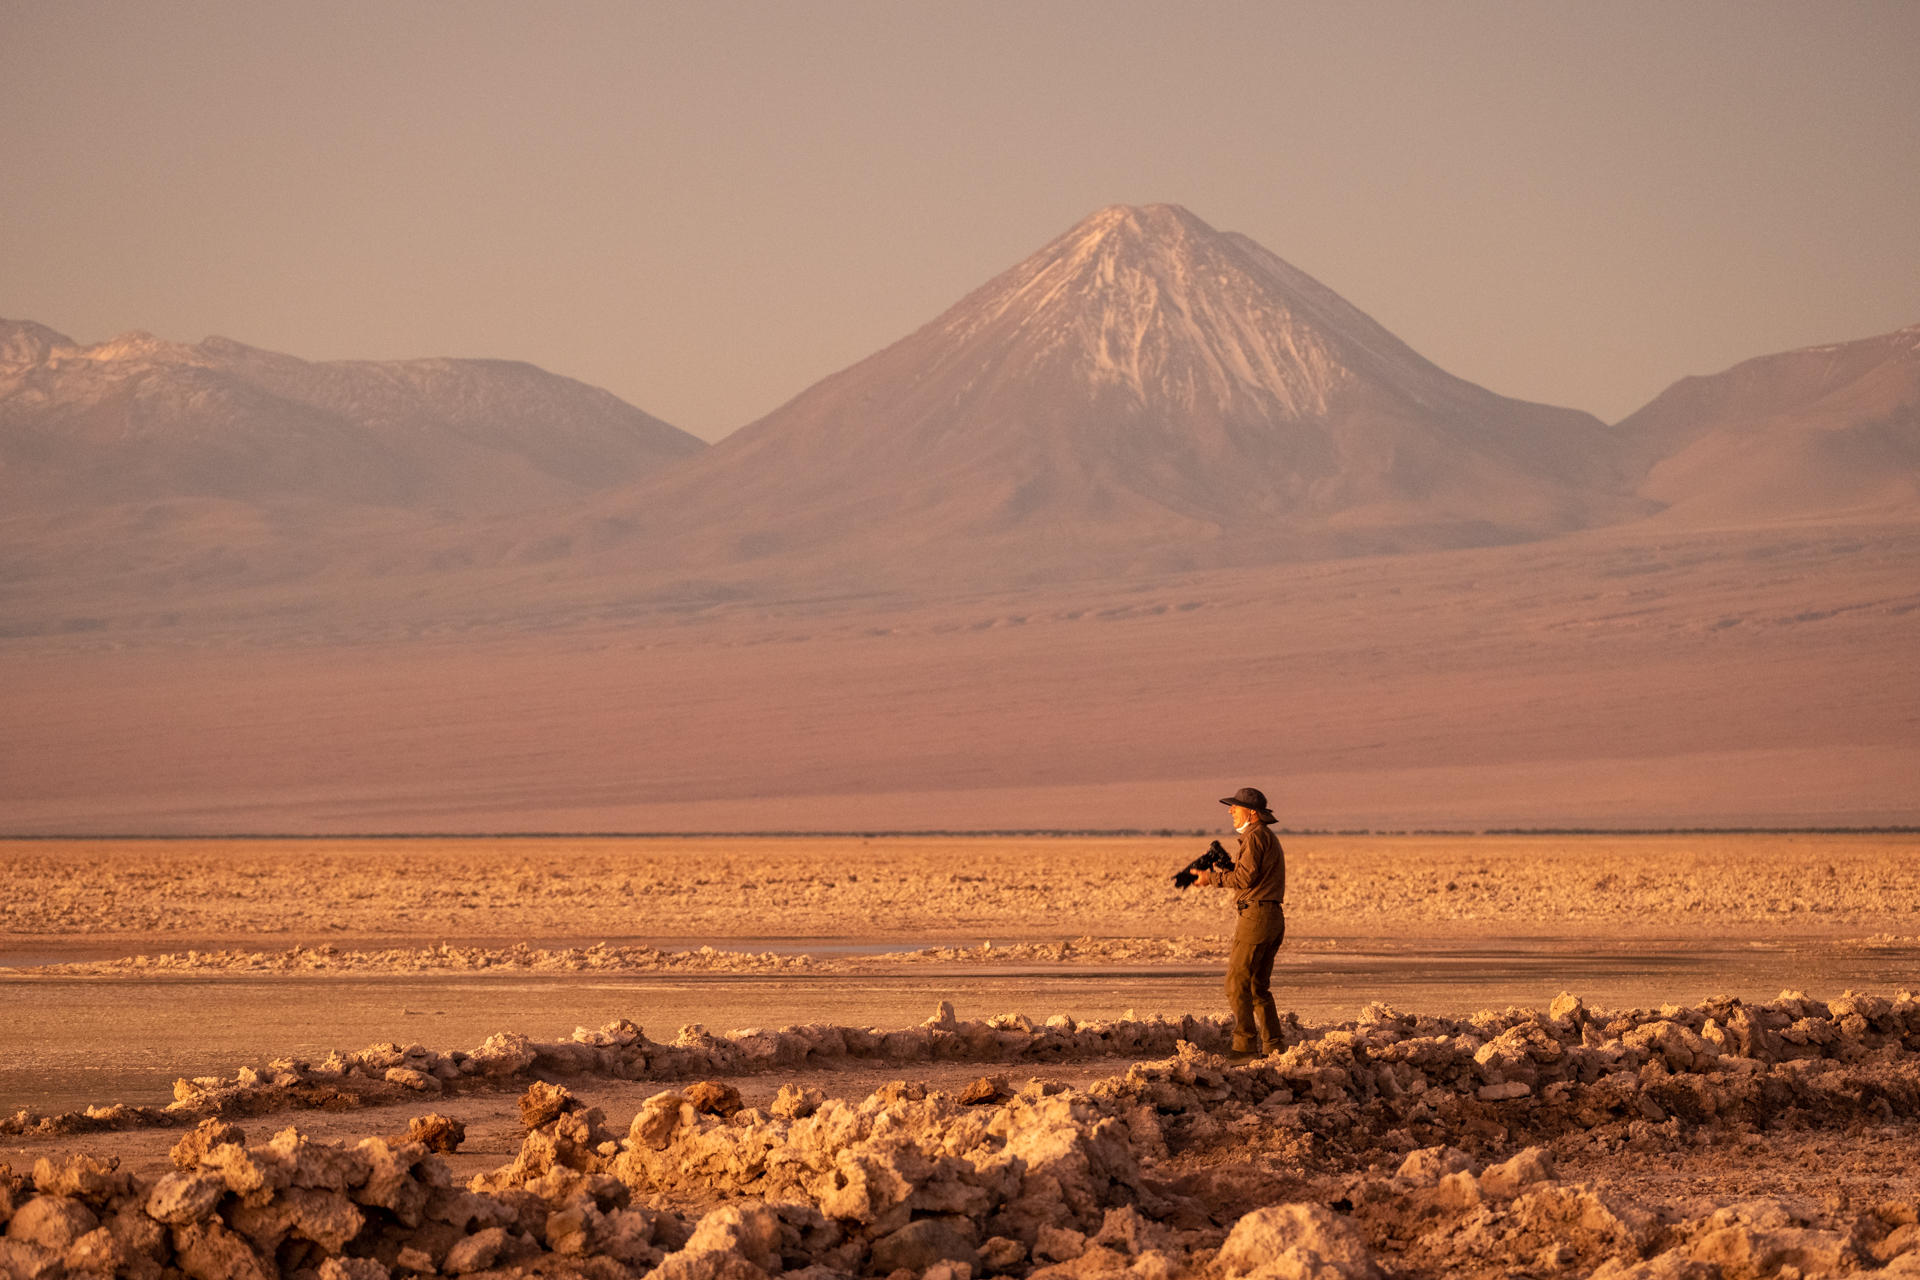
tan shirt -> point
(1260, 872)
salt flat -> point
(278, 947)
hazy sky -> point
(705, 207)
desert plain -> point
(1513, 1055)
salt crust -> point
(1049, 1181)
(602, 958)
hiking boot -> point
(1240, 1055)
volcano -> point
(1144, 393)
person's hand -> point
(1206, 878)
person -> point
(1259, 884)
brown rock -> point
(710, 1097)
(795, 1103)
(82, 1177)
(390, 1184)
(985, 1090)
(99, 1252)
(180, 1198)
(26, 1261)
(654, 1124)
(544, 1103)
(208, 1251)
(435, 1132)
(52, 1222)
(353, 1269)
(476, 1252)
(1533, 1165)
(1298, 1239)
(210, 1133)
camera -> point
(1214, 859)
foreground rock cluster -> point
(1394, 1144)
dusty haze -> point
(705, 209)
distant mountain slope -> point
(1825, 431)
(1142, 392)
(137, 420)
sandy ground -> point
(1626, 679)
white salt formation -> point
(1416, 1145)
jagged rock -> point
(710, 1097)
(476, 1252)
(180, 1198)
(389, 1183)
(328, 1218)
(1127, 1229)
(1307, 1241)
(1680, 1046)
(1058, 1244)
(1457, 1191)
(544, 1103)
(353, 1269)
(52, 1222)
(1000, 1253)
(410, 1258)
(505, 1054)
(1428, 1165)
(82, 1177)
(1902, 1239)
(734, 1242)
(919, 1245)
(706, 1265)
(99, 1252)
(139, 1244)
(987, 1089)
(796, 1103)
(1672, 1265)
(1584, 1219)
(210, 1133)
(410, 1078)
(23, 1260)
(750, 1230)
(1507, 1180)
(1568, 1009)
(1743, 1253)
(208, 1251)
(654, 1124)
(435, 1132)
(627, 1236)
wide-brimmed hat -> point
(1251, 798)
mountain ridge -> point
(1821, 431)
(1145, 391)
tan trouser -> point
(1256, 940)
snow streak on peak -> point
(1155, 302)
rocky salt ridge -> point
(602, 957)
(388, 1072)
(1475, 1114)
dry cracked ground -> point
(1699, 1136)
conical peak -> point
(1150, 237)
(1124, 222)
(1152, 300)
